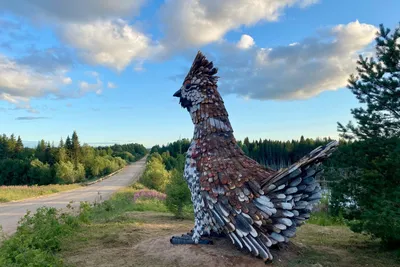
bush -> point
(178, 194)
(66, 172)
(40, 173)
(37, 239)
(128, 157)
(369, 195)
(14, 172)
(155, 176)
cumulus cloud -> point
(72, 10)
(19, 83)
(67, 80)
(86, 87)
(111, 43)
(101, 37)
(245, 42)
(296, 71)
(199, 22)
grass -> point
(324, 219)
(124, 233)
(129, 231)
(38, 239)
(18, 192)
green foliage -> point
(66, 172)
(174, 148)
(122, 202)
(13, 170)
(128, 157)
(279, 154)
(47, 164)
(178, 194)
(155, 175)
(368, 191)
(137, 186)
(324, 219)
(40, 173)
(377, 86)
(37, 239)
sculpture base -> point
(187, 240)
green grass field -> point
(18, 192)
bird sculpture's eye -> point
(187, 84)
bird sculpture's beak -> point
(178, 93)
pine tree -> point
(68, 143)
(372, 161)
(378, 87)
(61, 144)
(75, 152)
(19, 146)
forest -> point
(69, 162)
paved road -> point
(10, 213)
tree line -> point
(68, 162)
(273, 154)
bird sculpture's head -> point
(200, 85)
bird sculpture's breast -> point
(191, 174)
(203, 221)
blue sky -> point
(108, 70)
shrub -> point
(40, 173)
(155, 176)
(37, 239)
(66, 172)
(178, 194)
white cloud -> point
(72, 10)
(111, 43)
(297, 71)
(199, 22)
(111, 85)
(67, 80)
(85, 87)
(19, 83)
(245, 42)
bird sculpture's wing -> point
(256, 207)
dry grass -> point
(18, 192)
(142, 239)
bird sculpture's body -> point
(254, 206)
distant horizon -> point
(33, 144)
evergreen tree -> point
(178, 193)
(372, 162)
(378, 87)
(75, 152)
(61, 144)
(68, 143)
(19, 146)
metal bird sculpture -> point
(233, 195)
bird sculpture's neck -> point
(210, 119)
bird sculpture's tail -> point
(293, 192)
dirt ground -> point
(142, 239)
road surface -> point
(10, 213)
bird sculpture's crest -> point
(233, 195)
(200, 84)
